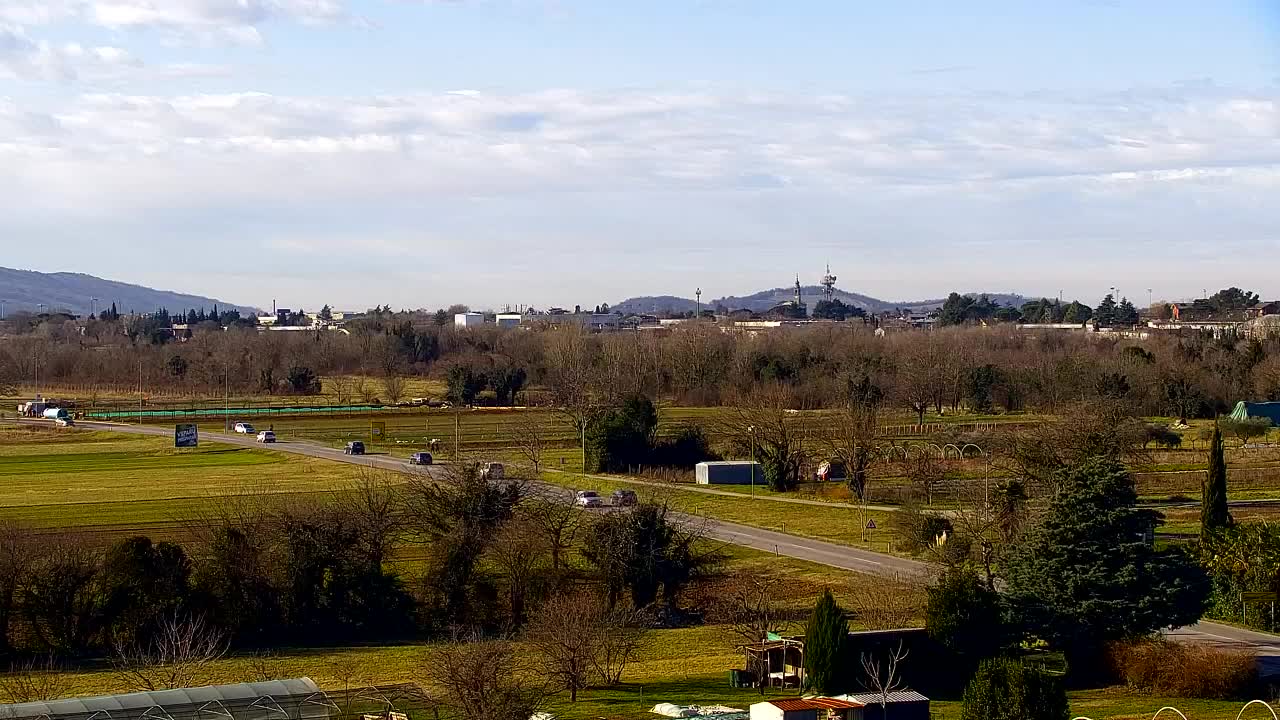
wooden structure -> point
(776, 662)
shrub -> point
(1188, 671)
(918, 531)
(1004, 689)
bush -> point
(1163, 436)
(1247, 429)
(688, 448)
(1187, 671)
(918, 531)
(1005, 689)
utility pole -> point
(226, 407)
(457, 434)
(139, 392)
(698, 293)
(752, 430)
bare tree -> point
(851, 432)
(180, 655)
(365, 390)
(623, 631)
(528, 435)
(890, 605)
(37, 681)
(559, 523)
(478, 679)
(566, 634)
(393, 386)
(753, 608)
(520, 550)
(884, 676)
(17, 552)
(769, 418)
(928, 473)
(343, 387)
(374, 507)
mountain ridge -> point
(811, 294)
(26, 290)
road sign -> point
(377, 430)
(871, 524)
(186, 436)
(1257, 598)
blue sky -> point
(420, 153)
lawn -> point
(73, 477)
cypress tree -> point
(826, 640)
(1214, 515)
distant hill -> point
(765, 299)
(25, 290)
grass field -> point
(62, 478)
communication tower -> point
(828, 285)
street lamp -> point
(751, 429)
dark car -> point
(353, 448)
(624, 498)
(420, 458)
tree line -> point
(498, 559)
(977, 369)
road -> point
(1266, 646)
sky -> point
(420, 153)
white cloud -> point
(24, 58)
(426, 177)
(230, 21)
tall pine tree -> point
(1214, 515)
(826, 640)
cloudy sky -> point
(423, 152)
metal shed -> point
(296, 699)
(903, 705)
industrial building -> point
(509, 320)
(468, 319)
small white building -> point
(817, 708)
(509, 320)
(468, 319)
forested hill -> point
(765, 299)
(25, 291)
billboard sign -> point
(186, 436)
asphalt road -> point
(1266, 646)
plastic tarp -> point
(1268, 410)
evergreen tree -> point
(1088, 575)
(1214, 515)
(1126, 313)
(1006, 689)
(1106, 312)
(966, 617)
(826, 638)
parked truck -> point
(56, 414)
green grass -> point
(833, 524)
(73, 477)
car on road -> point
(266, 436)
(588, 499)
(244, 428)
(420, 458)
(492, 471)
(355, 447)
(625, 498)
